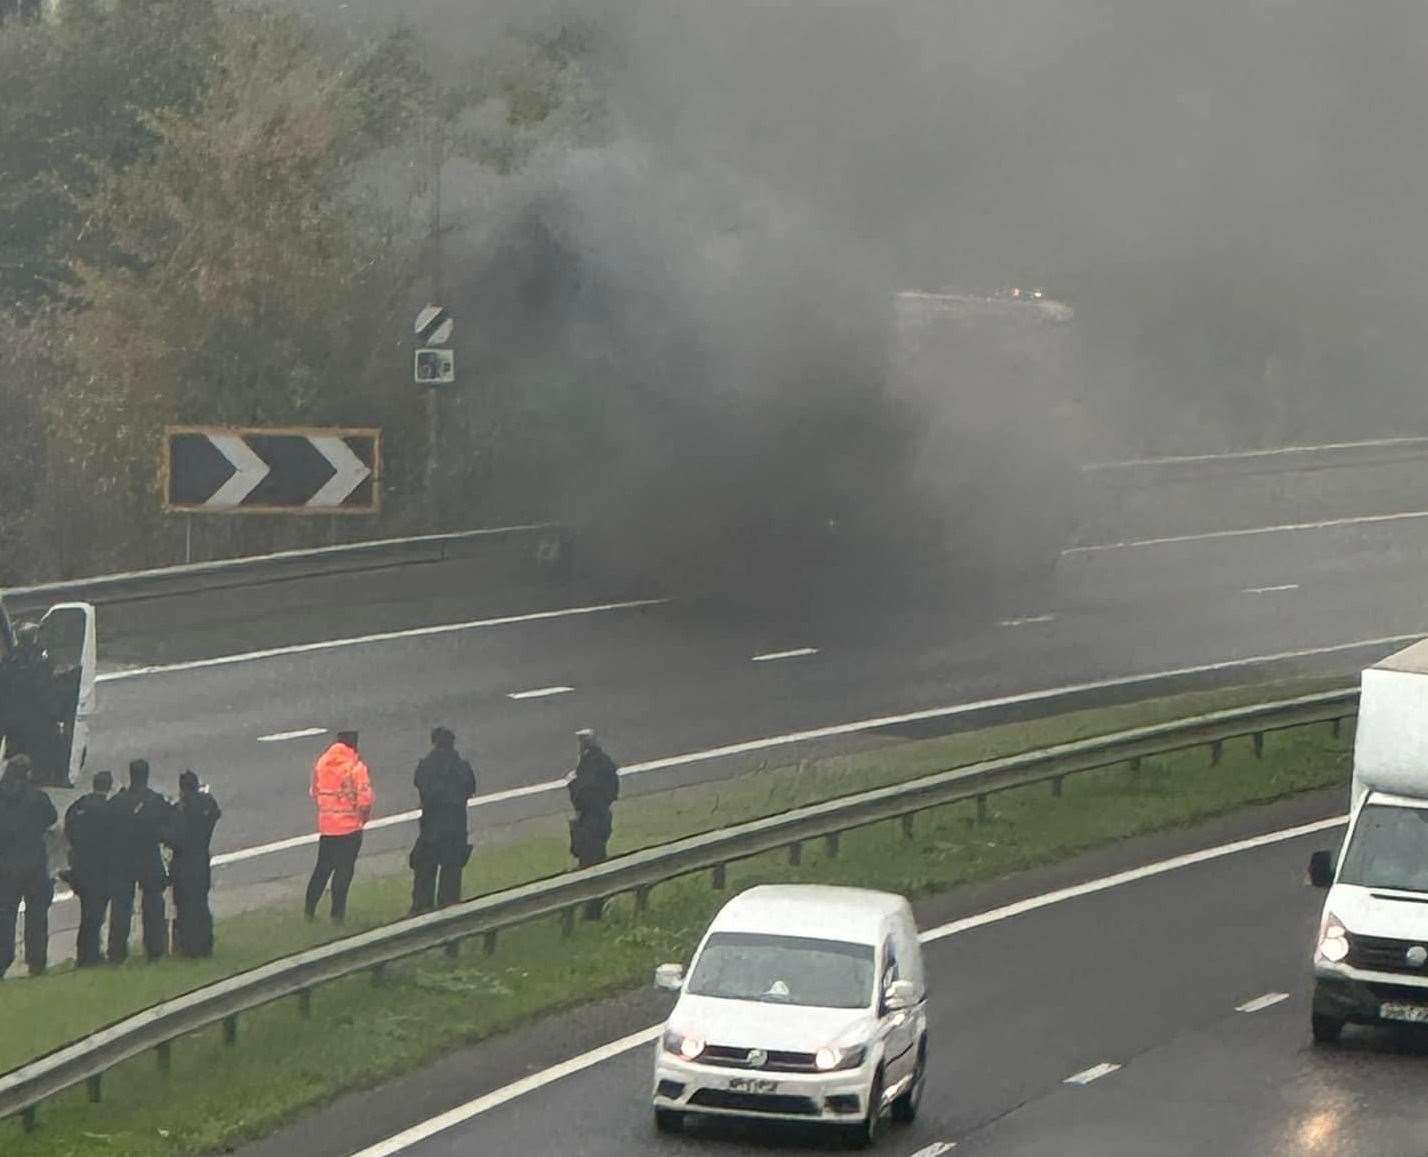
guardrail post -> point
(720, 877)
(164, 1054)
(1056, 786)
(379, 974)
(1258, 738)
(908, 824)
(1217, 751)
(567, 923)
(488, 943)
(27, 1118)
(795, 854)
(981, 807)
(1338, 725)
(230, 1029)
(95, 1086)
(453, 950)
(642, 899)
(832, 841)
(305, 1002)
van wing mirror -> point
(1321, 869)
(899, 995)
(670, 977)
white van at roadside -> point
(802, 1003)
(1371, 955)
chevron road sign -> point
(272, 471)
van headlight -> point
(1333, 939)
(831, 1058)
(685, 1045)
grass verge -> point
(360, 1034)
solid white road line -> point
(1270, 590)
(364, 640)
(1377, 443)
(1094, 1073)
(1027, 621)
(624, 1045)
(502, 1096)
(1260, 1003)
(774, 741)
(797, 653)
(283, 736)
(540, 693)
(1281, 528)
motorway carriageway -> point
(1148, 1000)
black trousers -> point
(37, 891)
(336, 861)
(93, 905)
(193, 919)
(121, 917)
(436, 876)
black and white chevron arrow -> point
(307, 471)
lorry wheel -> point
(669, 1121)
(1326, 1029)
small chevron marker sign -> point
(264, 471)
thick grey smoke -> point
(1229, 193)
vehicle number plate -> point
(1414, 1013)
(752, 1085)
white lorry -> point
(1371, 955)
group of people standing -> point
(116, 853)
(117, 846)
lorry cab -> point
(1371, 953)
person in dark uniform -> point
(89, 826)
(26, 814)
(445, 782)
(195, 816)
(30, 702)
(144, 821)
(594, 786)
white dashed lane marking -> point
(1271, 590)
(1027, 621)
(1260, 1003)
(282, 736)
(796, 653)
(540, 693)
(1094, 1073)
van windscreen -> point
(1389, 849)
(784, 970)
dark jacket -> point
(596, 784)
(195, 816)
(445, 782)
(143, 821)
(26, 814)
(89, 826)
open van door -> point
(68, 635)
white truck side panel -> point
(1391, 746)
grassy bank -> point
(361, 1034)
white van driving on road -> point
(803, 1003)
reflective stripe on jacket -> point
(342, 790)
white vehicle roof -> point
(1412, 659)
(853, 915)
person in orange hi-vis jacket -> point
(342, 790)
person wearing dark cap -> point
(143, 823)
(445, 782)
(195, 816)
(89, 827)
(26, 814)
(594, 786)
(342, 790)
